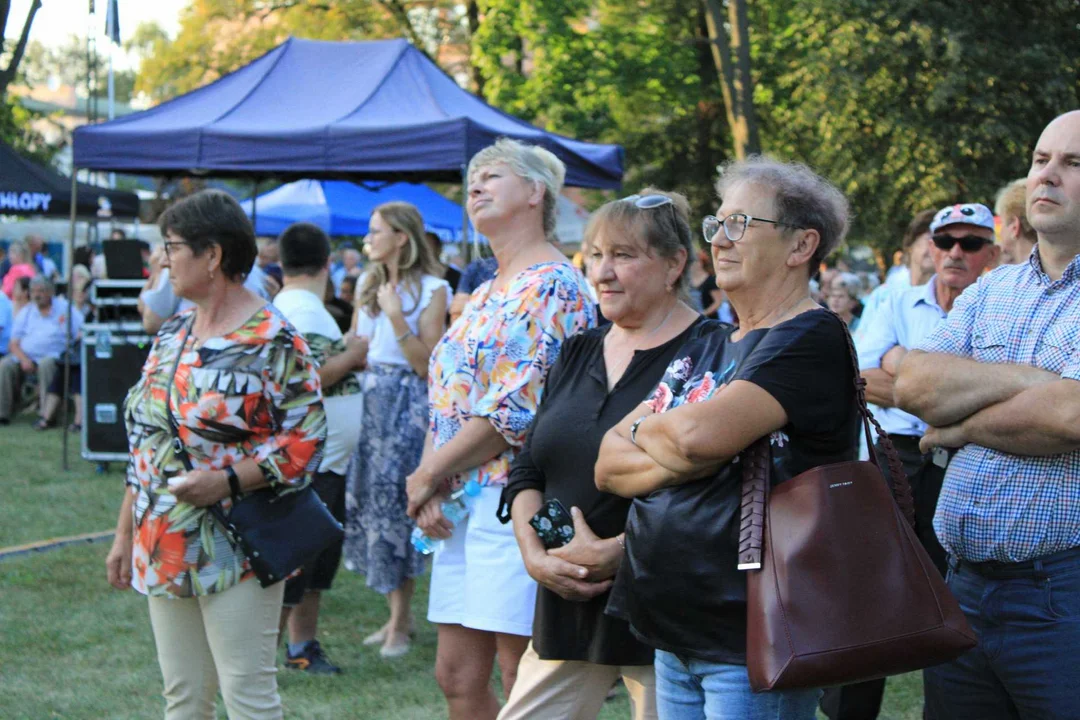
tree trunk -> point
(732, 59)
(8, 73)
(744, 81)
(472, 11)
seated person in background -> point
(20, 296)
(118, 234)
(38, 339)
(21, 267)
(80, 298)
(158, 302)
(36, 245)
(6, 318)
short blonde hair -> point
(1011, 202)
(529, 162)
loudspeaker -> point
(112, 361)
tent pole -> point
(471, 252)
(71, 308)
(254, 202)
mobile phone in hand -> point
(553, 524)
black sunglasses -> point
(968, 243)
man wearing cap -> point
(962, 246)
(1000, 380)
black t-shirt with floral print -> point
(679, 586)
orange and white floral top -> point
(253, 393)
(494, 360)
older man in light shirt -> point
(38, 340)
(962, 247)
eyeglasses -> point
(648, 202)
(968, 243)
(170, 243)
(734, 226)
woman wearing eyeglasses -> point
(485, 381)
(241, 387)
(785, 373)
(640, 249)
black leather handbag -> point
(278, 534)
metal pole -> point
(254, 202)
(71, 308)
(471, 253)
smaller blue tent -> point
(343, 208)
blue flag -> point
(112, 21)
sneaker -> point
(312, 659)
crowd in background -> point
(625, 384)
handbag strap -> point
(755, 481)
(178, 445)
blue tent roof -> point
(343, 208)
(372, 110)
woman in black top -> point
(785, 374)
(639, 249)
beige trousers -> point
(229, 640)
(572, 690)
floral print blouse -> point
(494, 360)
(253, 393)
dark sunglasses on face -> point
(968, 243)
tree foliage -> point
(913, 104)
(70, 64)
(219, 36)
(905, 104)
(639, 74)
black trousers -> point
(862, 701)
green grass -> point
(74, 648)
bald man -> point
(1000, 380)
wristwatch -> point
(234, 482)
(634, 427)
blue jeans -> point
(700, 690)
(1028, 623)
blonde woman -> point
(401, 311)
(487, 377)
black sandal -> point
(43, 424)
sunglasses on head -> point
(647, 202)
(968, 243)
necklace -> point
(635, 347)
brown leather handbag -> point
(839, 590)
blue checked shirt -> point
(994, 505)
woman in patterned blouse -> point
(484, 384)
(248, 404)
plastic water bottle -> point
(455, 509)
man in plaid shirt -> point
(1000, 380)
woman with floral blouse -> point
(484, 384)
(248, 404)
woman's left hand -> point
(419, 488)
(202, 488)
(600, 557)
(389, 301)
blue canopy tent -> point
(343, 208)
(378, 110)
(315, 109)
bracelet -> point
(634, 427)
(404, 336)
(621, 539)
(234, 482)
